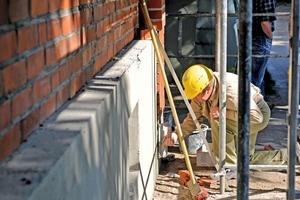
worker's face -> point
(205, 94)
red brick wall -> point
(157, 14)
(48, 50)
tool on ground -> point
(197, 192)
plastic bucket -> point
(194, 141)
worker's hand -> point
(170, 139)
(214, 113)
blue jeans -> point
(261, 45)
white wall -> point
(102, 145)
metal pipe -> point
(179, 36)
(244, 72)
(221, 66)
(229, 56)
(293, 97)
(228, 15)
(264, 167)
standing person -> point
(201, 85)
(262, 36)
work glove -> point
(170, 139)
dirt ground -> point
(262, 185)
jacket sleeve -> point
(188, 125)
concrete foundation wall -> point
(101, 145)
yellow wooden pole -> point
(168, 91)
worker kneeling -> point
(202, 86)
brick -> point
(27, 38)
(110, 54)
(102, 44)
(77, 83)
(14, 75)
(21, 102)
(3, 11)
(157, 14)
(156, 3)
(18, 10)
(48, 108)
(76, 21)
(55, 80)
(76, 63)
(145, 34)
(91, 34)
(98, 11)
(184, 177)
(41, 88)
(75, 3)
(86, 55)
(63, 95)
(84, 1)
(66, 4)
(99, 63)
(86, 17)
(5, 119)
(160, 23)
(207, 182)
(30, 123)
(89, 72)
(67, 24)
(83, 37)
(38, 7)
(10, 141)
(61, 49)
(8, 47)
(64, 72)
(122, 4)
(51, 56)
(1, 85)
(54, 5)
(35, 64)
(99, 29)
(161, 36)
(54, 29)
(42, 33)
(73, 42)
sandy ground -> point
(262, 185)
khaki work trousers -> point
(275, 157)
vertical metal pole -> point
(244, 72)
(293, 97)
(179, 29)
(221, 66)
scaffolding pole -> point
(221, 66)
(293, 99)
(244, 73)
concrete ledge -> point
(86, 150)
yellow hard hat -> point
(195, 79)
